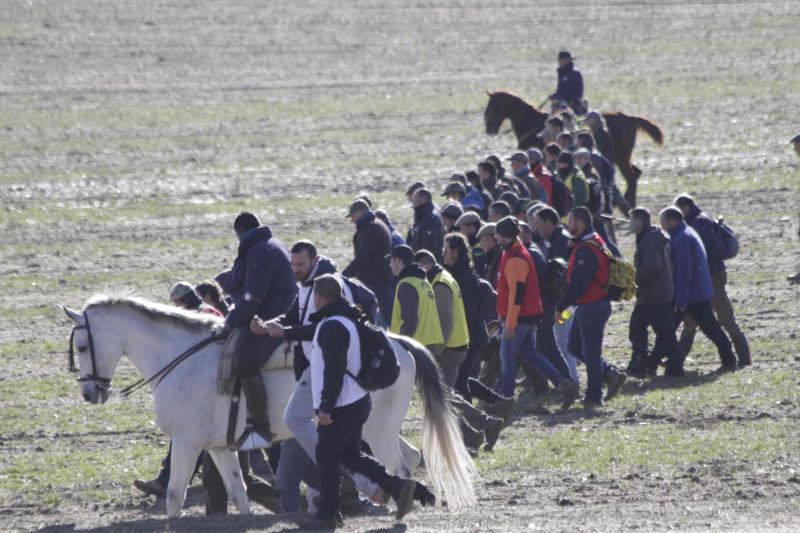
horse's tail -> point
(651, 129)
(447, 460)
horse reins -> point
(105, 383)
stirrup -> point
(251, 440)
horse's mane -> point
(153, 310)
(509, 93)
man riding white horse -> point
(261, 283)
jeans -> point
(294, 466)
(659, 317)
(340, 444)
(547, 346)
(703, 315)
(561, 333)
(586, 343)
(523, 344)
(723, 308)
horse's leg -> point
(182, 464)
(229, 469)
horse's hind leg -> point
(182, 464)
(228, 466)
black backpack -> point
(595, 202)
(488, 301)
(363, 297)
(730, 242)
(562, 200)
(556, 283)
(379, 366)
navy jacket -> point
(605, 169)
(540, 262)
(690, 267)
(706, 227)
(603, 143)
(428, 231)
(469, 283)
(557, 246)
(372, 242)
(261, 281)
(654, 279)
(570, 84)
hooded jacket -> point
(691, 274)
(371, 244)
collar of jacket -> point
(324, 266)
(413, 271)
(261, 233)
(366, 218)
(433, 272)
(422, 211)
(692, 215)
(680, 227)
(556, 233)
(585, 236)
(339, 307)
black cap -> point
(454, 187)
(566, 157)
(403, 252)
(453, 211)
(424, 254)
(356, 206)
(507, 227)
(563, 54)
(414, 187)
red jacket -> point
(517, 286)
(596, 289)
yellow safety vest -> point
(429, 330)
(460, 334)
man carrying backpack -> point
(588, 275)
(342, 407)
(717, 251)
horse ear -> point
(75, 316)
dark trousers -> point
(468, 387)
(253, 352)
(703, 315)
(586, 344)
(340, 444)
(546, 344)
(659, 317)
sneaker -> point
(492, 432)
(616, 380)
(569, 393)
(151, 488)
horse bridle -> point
(105, 383)
(100, 382)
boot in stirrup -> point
(257, 435)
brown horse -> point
(527, 121)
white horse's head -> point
(99, 351)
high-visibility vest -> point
(460, 334)
(429, 330)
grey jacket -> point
(653, 267)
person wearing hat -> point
(371, 242)
(183, 295)
(570, 84)
(519, 307)
(414, 187)
(491, 253)
(520, 166)
(455, 192)
(480, 199)
(450, 214)
(468, 225)
(568, 173)
(541, 173)
(428, 230)
(463, 194)
(604, 168)
(414, 311)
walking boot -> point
(502, 408)
(473, 439)
(615, 379)
(402, 491)
(569, 393)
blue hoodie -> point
(690, 267)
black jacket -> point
(261, 281)
(558, 245)
(372, 242)
(334, 341)
(470, 286)
(491, 264)
(428, 231)
(602, 141)
(570, 84)
(653, 263)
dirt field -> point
(131, 133)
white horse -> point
(189, 410)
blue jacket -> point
(570, 84)
(261, 281)
(474, 198)
(706, 227)
(690, 267)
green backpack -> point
(621, 277)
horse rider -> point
(261, 283)
(570, 84)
